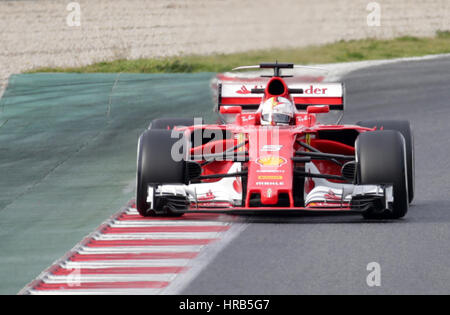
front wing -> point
(326, 197)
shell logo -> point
(271, 161)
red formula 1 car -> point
(272, 154)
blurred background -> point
(38, 33)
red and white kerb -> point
(129, 254)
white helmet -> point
(277, 111)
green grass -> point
(342, 51)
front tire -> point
(381, 160)
(155, 165)
(404, 127)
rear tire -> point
(155, 165)
(404, 127)
(381, 160)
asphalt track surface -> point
(65, 169)
(329, 255)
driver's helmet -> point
(277, 111)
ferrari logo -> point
(275, 102)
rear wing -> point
(331, 94)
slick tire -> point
(404, 127)
(155, 166)
(381, 160)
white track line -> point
(198, 217)
(156, 236)
(125, 263)
(131, 211)
(96, 292)
(140, 249)
(75, 279)
(166, 223)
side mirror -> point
(323, 109)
